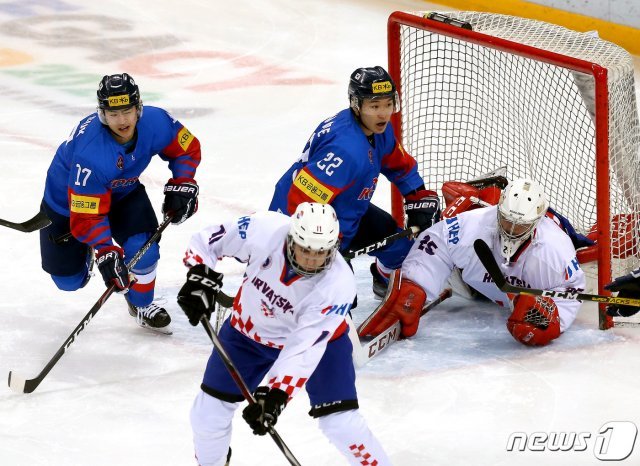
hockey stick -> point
(39, 221)
(352, 254)
(237, 378)
(363, 352)
(486, 257)
(20, 384)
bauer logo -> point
(118, 100)
(381, 87)
(613, 442)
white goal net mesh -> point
(469, 109)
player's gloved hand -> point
(264, 413)
(110, 261)
(197, 295)
(422, 208)
(627, 286)
(180, 198)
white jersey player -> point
(287, 327)
(532, 252)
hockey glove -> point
(422, 208)
(180, 199)
(263, 414)
(534, 321)
(197, 296)
(110, 261)
(627, 286)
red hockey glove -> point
(534, 320)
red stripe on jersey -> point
(398, 161)
(143, 287)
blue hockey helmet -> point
(118, 92)
(371, 83)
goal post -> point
(541, 100)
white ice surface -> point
(257, 77)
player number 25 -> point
(335, 163)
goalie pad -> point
(403, 303)
(534, 321)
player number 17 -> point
(82, 171)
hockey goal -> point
(556, 105)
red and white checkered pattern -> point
(359, 451)
(288, 385)
(246, 328)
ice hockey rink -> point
(251, 80)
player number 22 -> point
(335, 163)
(82, 171)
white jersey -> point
(274, 306)
(548, 262)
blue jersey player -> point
(93, 191)
(341, 164)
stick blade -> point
(17, 383)
(486, 257)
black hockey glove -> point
(627, 286)
(264, 413)
(197, 295)
(180, 198)
(422, 208)
(110, 261)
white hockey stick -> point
(364, 351)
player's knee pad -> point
(149, 259)
(403, 303)
(335, 426)
(71, 282)
(534, 321)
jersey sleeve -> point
(89, 194)
(429, 262)
(216, 241)
(183, 151)
(401, 169)
(308, 187)
(323, 318)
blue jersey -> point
(90, 170)
(340, 166)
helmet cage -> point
(304, 271)
(522, 205)
(314, 229)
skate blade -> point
(161, 330)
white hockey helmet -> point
(522, 205)
(315, 231)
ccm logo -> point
(181, 189)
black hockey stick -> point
(20, 384)
(39, 221)
(237, 378)
(352, 254)
(363, 351)
(486, 257)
